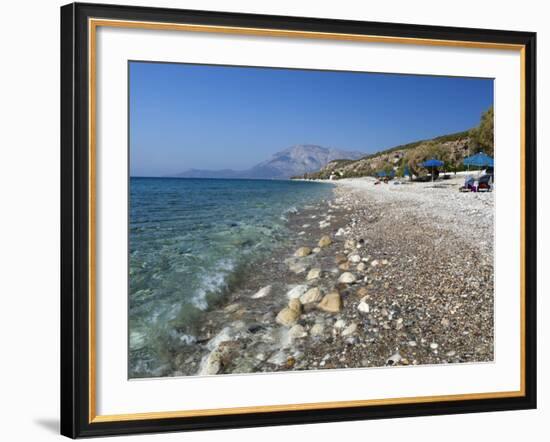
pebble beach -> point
(378, 275)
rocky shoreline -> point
(378, 276)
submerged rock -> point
(297, 267)
(255, 327)
(297, 291)
(297, 332)
(245, 365)
(302, 251)
(339, 259)
(312, 295)
(224, 350)
(278, 358)
(287, 316)
(137, 340)
(331, 302)
(262, 293)
(211, 364)
(313, 274)
(231, 308)
(325, 241)
(295, 304)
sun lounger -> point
(482, 184)
(469, 184)
(485, 183)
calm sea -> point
(190, 239)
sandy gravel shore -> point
(379, 275)
(469, 215)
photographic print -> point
(271, 220)
(296, 220)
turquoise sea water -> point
(189, 242)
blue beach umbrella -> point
(432, 164)
(383, 174)
(480, 159)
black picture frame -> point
(75, 194)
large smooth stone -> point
(295, 304)
(312, 295)
(211, 365)
(313, 274)
(287, 317)
(331, 303)
(347, 278)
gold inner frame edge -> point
(93, 24)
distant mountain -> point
(294, 161)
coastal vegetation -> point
(407, 159)
(483, 135)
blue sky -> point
(214, 117)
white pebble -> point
(297, 291)
(340, 323)
(263, 292)
(363, 306)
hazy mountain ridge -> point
(296, 160)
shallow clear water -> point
(189, 241)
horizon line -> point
(377, 152)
